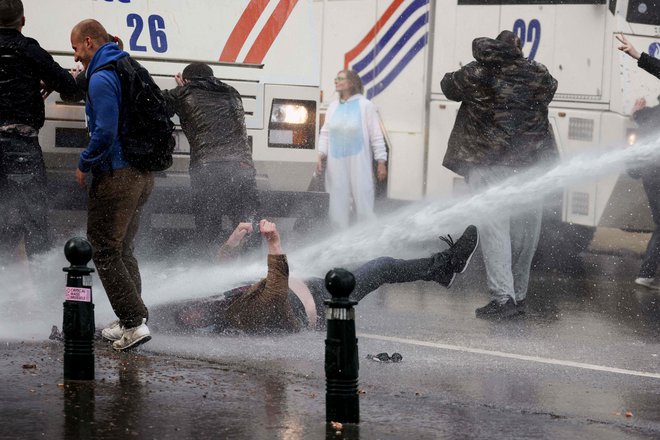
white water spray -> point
(28, 310)
(399, 233)
(427, 219)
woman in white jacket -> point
(351, 140)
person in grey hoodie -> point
(502, 129)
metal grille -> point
(580, 203)
(66, 137)
(580, 129)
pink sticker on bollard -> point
(78, 294)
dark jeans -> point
(115, 205)
(373, 274)
(222, 189)
(23, 198)
(652, 256)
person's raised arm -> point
(228, 249)
(627, 47)
(269, 231)
(81, 86)
(172, 96)
(644, 60)
(277, 280)
(51, 74)
(640, 103)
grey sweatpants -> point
(508, 241)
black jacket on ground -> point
(23, 64)
(213, 120)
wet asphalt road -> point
(584, 362)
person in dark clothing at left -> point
(222, 174)
(648, 121)
(27, 69)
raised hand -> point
(627, 47)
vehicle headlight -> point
(289, 114)
(292, 124)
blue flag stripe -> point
(387, 59)
(382, 85)
(405, 15)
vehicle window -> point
(643, 12)
(533, 2)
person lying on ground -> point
(280, 303)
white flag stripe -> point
(259, 25)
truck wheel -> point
(560, 245)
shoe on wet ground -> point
(522, 305)
(649, 283)
(495, 310)
(456, 258)
(113, 332)
(132, 337)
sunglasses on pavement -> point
(384, 357)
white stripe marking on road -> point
(511, 355)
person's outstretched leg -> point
(386, 270)
(441, 267)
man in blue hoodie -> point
(118, 191)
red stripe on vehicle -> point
(351, 54)
(270, 31)
(243, 27)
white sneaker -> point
(132, 337)
(113, 332)
(649, 283)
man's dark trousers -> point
(651, 183)
(23, 197)
(223, 188)
(116, 199)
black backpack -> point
(145, 126)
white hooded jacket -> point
(351, 139)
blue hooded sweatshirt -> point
(102, 106)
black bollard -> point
(341, 352)
(78, 325)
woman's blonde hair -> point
(355, 80)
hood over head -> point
(107, 53)
(496, 51)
